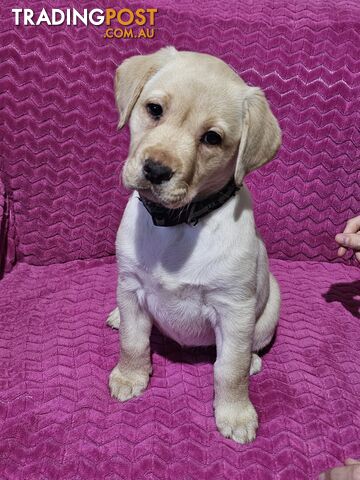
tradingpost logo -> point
(120, 23)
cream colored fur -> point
(200, 284)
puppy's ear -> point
(260, 136)
(132, 75)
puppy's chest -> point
(181, 311)
(177, 273)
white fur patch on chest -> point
(181, 313)
(183, 276)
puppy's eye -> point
(155, 110)
(211, 138)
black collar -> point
(192, 212)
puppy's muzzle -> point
(156, 172)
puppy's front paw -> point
(124, 386)
(237, 421)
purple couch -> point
(60, 205)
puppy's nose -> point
(156, 172)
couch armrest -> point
(7, 232)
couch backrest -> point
(62, 154)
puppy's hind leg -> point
(266, 323)
(113, 319)
(255, 366)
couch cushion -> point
(62, 153)
(58, 420)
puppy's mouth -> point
(172, 193)
(169, 196)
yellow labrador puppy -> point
(190, 259)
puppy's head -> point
(194, 124)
